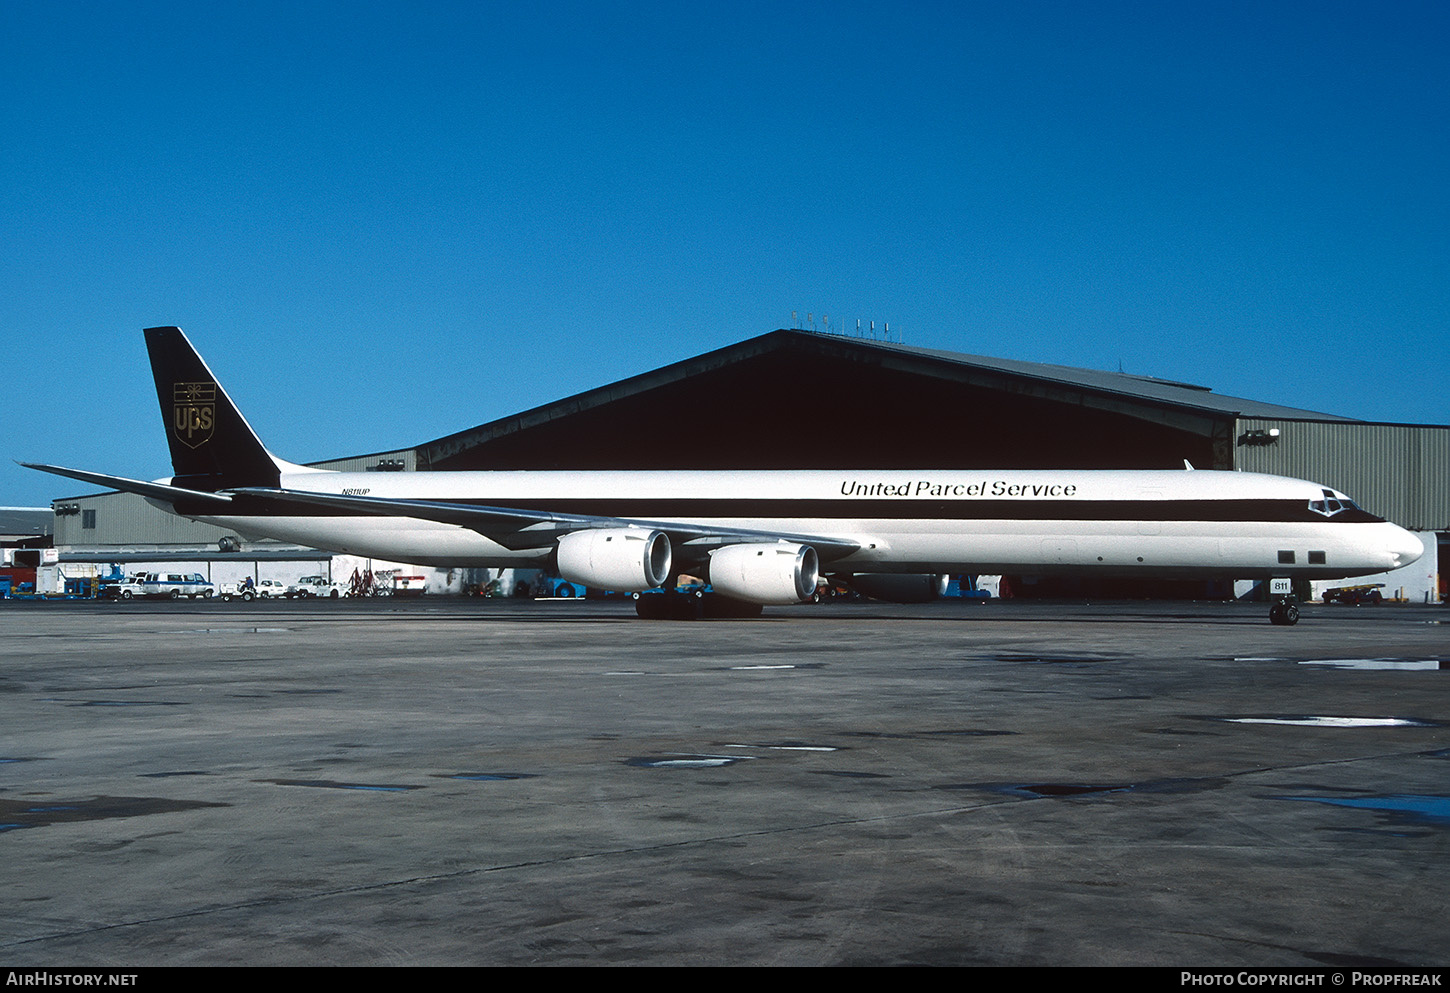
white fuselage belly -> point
(979, 521)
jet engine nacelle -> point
(900, 588)
(778, 572)
(624, 559)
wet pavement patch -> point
(970, 733)
(685, 761)
(786, 746)
(1404, 808)
(239, 630)
(332, 784)
(28, 813)
(488, 777)
(772, 667)
(948, 732)
(1034, 791)
(1431, 665)
(1331, 721)
(1384, 663)
(117, 703)
(1069, 789)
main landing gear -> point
(691, 605)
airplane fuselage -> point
(1112, 522)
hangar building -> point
(797, 399)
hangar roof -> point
(25, 522)
(764, 384)
(1164, 391)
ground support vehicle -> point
(552, 587)
(173, 585)
(317, 586)
(236, 591)
(964, 587)
(1355, 595)
(126, 589)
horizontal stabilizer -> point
(159, 491)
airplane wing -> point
(511, 528)
(521, 529)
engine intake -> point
(775, 573)
(623, 559)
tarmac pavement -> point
(473, 782)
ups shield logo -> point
(193, 412)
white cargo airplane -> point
(761, 537)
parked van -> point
(176, 585)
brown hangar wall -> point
(791, 399)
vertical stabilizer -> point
(212, 445)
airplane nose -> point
(1405, 548)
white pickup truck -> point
(310, 586)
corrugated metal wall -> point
(1399, 471)
(407, 458)
(127, 519)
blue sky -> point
(383, 221)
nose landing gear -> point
(1285, 606)
(1285, 611)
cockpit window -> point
(1332, 503)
